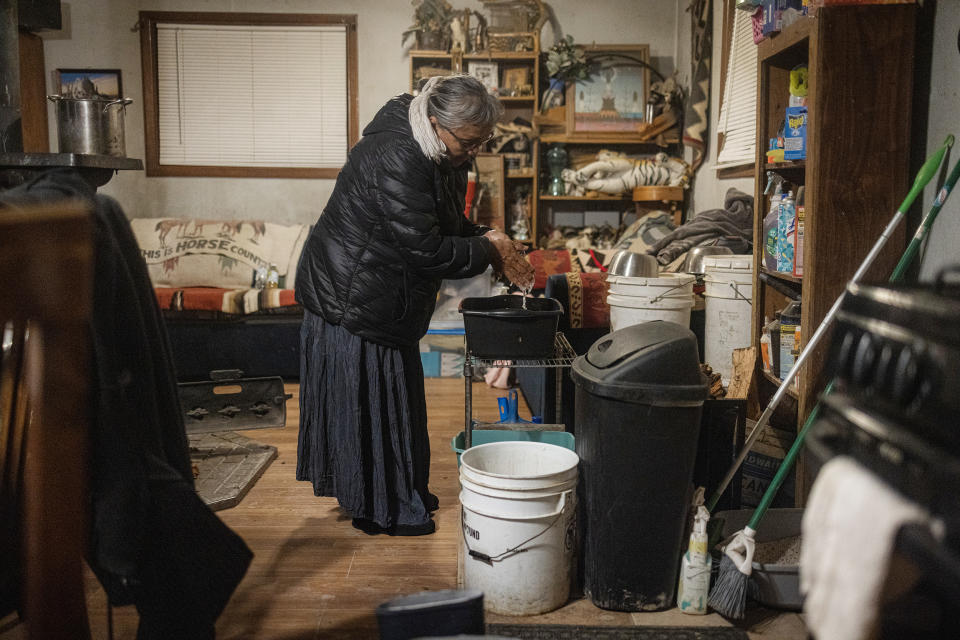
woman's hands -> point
(509, 260)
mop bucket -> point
(519, 526)
(729, 292)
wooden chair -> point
(46, 278)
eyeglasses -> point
(469, 145)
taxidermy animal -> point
(614, 173)
(458, 35)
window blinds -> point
(738, 110)
(252, 96)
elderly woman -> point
(368, 280)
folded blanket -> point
(234, 301)
(731, 226)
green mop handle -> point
(914, 246)
(924, 176)
(897, 276)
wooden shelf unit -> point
(857, 164)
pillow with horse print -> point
(193, 252)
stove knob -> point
(906, 377)
(883, 373)
(845, 354)
(864, 358)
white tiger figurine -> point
(614, 173)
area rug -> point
(578, 632)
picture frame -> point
(612, 100)
(106, 84)
(487, 73)
(489, 208)
(516, 82)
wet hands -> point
(509, 259)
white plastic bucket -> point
(637, 300)
(729, 295)
(518, 522)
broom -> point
(729, 593)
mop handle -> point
(897, 276)
(924, 176)
(928, 220)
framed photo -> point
(516, 82)
(489, 207)
(613, 97)
(487, 73)
(89, 83)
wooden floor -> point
(315, 576)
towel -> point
(731, 226)
(849, 528)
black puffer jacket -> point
(393, 228)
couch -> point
(205, 274)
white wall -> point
(944, 118)
(99, 34)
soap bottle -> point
(694, 585)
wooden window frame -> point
(151, 109)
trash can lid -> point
(649, 363)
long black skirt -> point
(363, 424)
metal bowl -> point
(695, 256)
(633, 265)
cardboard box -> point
(762, 463)
(795, 134)
(442, 355)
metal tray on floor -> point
(230, 403)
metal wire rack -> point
(563, 356)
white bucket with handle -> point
(632, 301)
(518, 524)
(728, 302)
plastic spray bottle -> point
(771, 221)
(786, 233)
(694, 584)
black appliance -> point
(895, 355)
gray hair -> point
(455, 101)
(461, 100)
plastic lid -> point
(738, 262)
(653, 363)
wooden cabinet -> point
(516, 75)
(856, 171)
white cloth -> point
(849, 528)
(430, 144)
